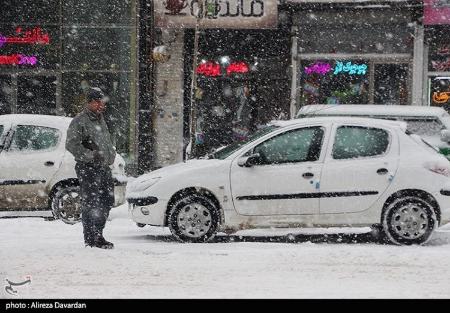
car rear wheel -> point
(66, 204)
(409, 220)
(194, 218)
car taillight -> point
(438, 168)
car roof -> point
(371, 109)
(340, 119)
(37, 119)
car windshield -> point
(225, 152)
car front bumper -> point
(151, 211)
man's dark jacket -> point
(89, 141)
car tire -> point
(409, 221)
(66, 204)
(194, 218)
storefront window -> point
(439, 53)
(334, 82)
(99, 12)
(440, 91)
(36, 94)
(96, 48)
(350, 82)
(29, 11)
(6, 94)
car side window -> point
(298, 145)
(33, 138)
(355, 142)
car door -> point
(31, 156)
(358, 168)
(284, 180)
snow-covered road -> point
(147, 263)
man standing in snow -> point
(89, 140)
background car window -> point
(299, 145)
(355, 142)
(27, 137)
(424, 126)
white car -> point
(37, 173)
(425, 121)
(308, 172)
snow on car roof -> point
(372, 109)
(46, 120)
(340, 119)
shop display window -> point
(29, 11)
(99, 12)
(334, 82)
(350, 82)
(439, 88)
(96, 48)
(439, 57)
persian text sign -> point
(216, 13)
(436, 12)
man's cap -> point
(95, 94)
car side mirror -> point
(250, 160)
(445, 135)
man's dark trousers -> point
(97, 199)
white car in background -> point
(431, 123)
(37, 173)
(308, 172)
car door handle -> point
(308, 175)
(382, 171)
(49, 163)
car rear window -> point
(30, 137)
(356, 141)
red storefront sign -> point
(436, 12)
(33, 36)
(213, 68)
(17, 59)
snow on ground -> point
(148, 263)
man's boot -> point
(100, 242)
(103, 243)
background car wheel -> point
(409, 220)
(66, 204)
(194, 218)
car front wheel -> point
(409, 220)
(194, 218)
(66, 204)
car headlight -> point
(146, 183)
